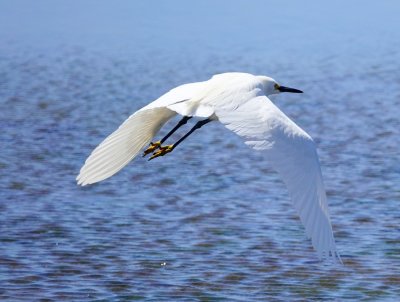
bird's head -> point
(272, 87)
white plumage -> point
(239, 101)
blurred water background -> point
(211, 221)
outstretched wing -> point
(119, 148)
(293, 155)
(177, 95)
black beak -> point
(287, 89)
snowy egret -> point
(239, 101)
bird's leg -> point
(195, 127)
(152, 146)
(157, 145)
(182, 122)
(169, 148)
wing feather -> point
(293, 155)
(118, 149)
(177, 95)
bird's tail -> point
(119, 148)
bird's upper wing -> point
(176, 95)
(293, 155)
(120, 147)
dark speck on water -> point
(210, 221)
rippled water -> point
(211, 221)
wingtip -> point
(330, 256)
(338, 258)
(80, 181)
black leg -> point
(157, 145)
(182, 122)
(167, 149)
(197, 126)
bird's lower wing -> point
(120, 147)
(293, 155)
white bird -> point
(239, 101)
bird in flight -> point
(240, 102)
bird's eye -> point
(276, 86)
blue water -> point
(210, 221)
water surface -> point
(211, 221)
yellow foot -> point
(151, 148)
(163, 150)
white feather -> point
(292, 153)
(118, 149)
(239, 101)
(124, 144)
